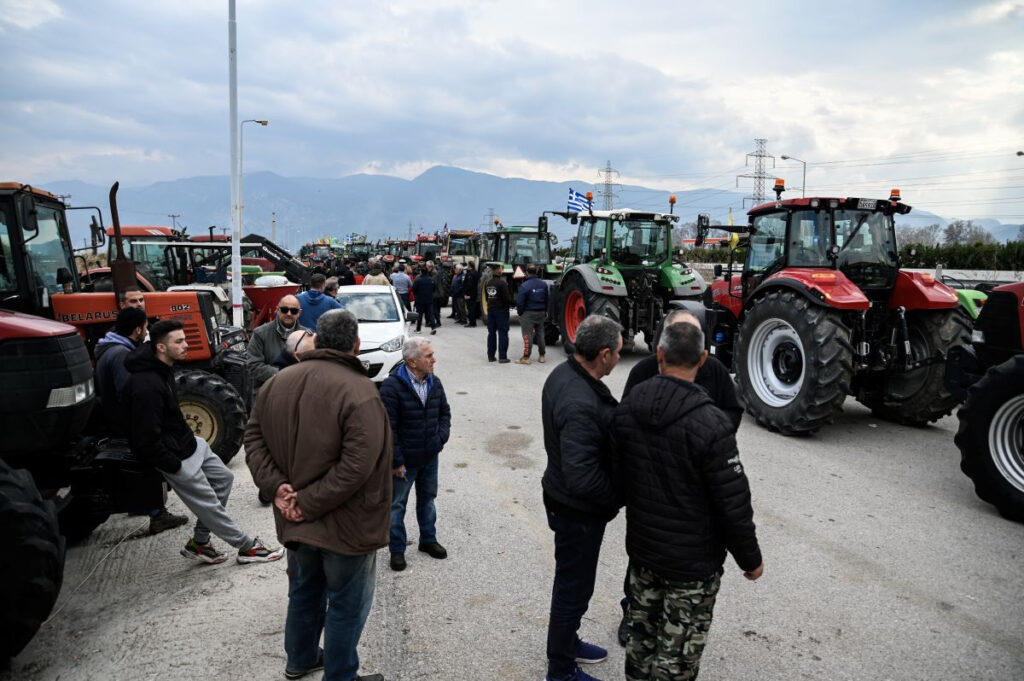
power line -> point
(610, 191)
(759, 176)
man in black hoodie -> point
(160, 436)
(687, 503)
(580, 495)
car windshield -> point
(639, 242)
(865, 237)
(370, 307)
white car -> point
(383, 326)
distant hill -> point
(380, 205)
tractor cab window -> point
(151, 260)
(582, 243)
(460, 247)
(767, 243)
(8, 282)
(46, 251)
(808, 239)
(529, 249)
(639, 242)
(865, 237)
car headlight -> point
(393, 345)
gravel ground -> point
(880, 564)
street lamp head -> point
(785, 158)
(1020, 153)
(262, 122)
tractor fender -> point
(921, 291)
(833, 290)
(592, 282)
(693, 285)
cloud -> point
(28, 14)
(997, 11)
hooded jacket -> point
(314, 303)
(321, 427)
(111, 380)
(419, 430)
(687, 497)
(158, 433)
(577, 412)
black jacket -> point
(111, 379)
(712, 376)
(577, 412)
(159, 434)
(687, 498)
(423, 289)
(471, 284)
(533, 295)
(497, 294)
(419, 431)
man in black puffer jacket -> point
(687, 503)
(580, 496)
(421, 422)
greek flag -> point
(577, 202)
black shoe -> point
(471, 325)
(165, 520)
(263, 500)
(624, 629)
(434, 550)
(491, 359)
(504, 360)
(288, 674)
(397, 562)
(433, 332)
(371, 677)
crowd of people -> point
(666, 453)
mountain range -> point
(382, 206)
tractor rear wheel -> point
(579, 302)
(214, 410)
(920, 396)
(991, 437)
(793, 362)
(31, 563)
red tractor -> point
(988, 375)
(822, 310)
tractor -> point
(988, 375)
(821, 310)
(622, 268)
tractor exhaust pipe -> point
(122, 270)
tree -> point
(923, 236)
(962, 232)
(1020, 233)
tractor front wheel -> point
(214, 410)
(991, 437)
(794, 363)
(578, 302)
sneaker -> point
(288, 674)
(260, 553)
(165, 520)
(504, 360)
(541, 359)
(397, 561)
(204, 553)
(588, 653)
(434, 550)
(523, 360)
(577, 675)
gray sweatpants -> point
(204, 484)
(532, 323)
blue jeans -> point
(425, 480)
(332, 594)
(497, 333)
(577, 546)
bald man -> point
(269, 340)
(298, 342)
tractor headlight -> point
(70, 396)
(393, 345)
(977, 336)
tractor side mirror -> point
(542, 224)
(703, 225)
(99, 235)
(30, 223)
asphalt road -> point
(880, 564)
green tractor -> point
(622, 268)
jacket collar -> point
(597, 386)
(337, 356)
(406, 376)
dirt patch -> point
(511, 447)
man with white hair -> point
(421, 421)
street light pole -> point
(803, 184)
(241, 139)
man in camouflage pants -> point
(687, 503)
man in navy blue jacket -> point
(421, 421)
(532, 306)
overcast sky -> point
(927, 96)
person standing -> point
(458, 297)
(471, 288)
(580, 495)
(421, 422)
(331, 487)
(331, 287)
(160, 436)
(315, 302)
(499, 301)
(376, 277)
(402, 283)
(423, 292)
(687, 503)
(346, 277)
(268, 340)
(532, 307)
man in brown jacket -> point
(318, 443)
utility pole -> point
(273, 226)
(410, 230)
(490, 218)
(759, 176)
(610, 191)
(174, 220)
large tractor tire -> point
(794, 363)
(31, 562)
(920, 396)
(991, 437)
(80, 517)
(579, 302)
(214, 410)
